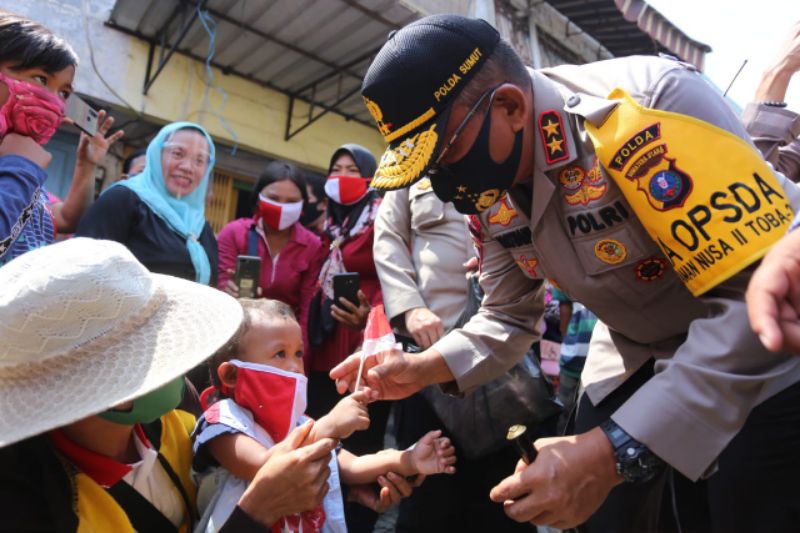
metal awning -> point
(627, 27)
(315, 51)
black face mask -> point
(476, 182)
(311, 212)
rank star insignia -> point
(551, 128)
(610, 251)
(528, 265)
(505, 214)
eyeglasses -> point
(436, 167)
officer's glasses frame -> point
(436, 167)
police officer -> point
(632, 185)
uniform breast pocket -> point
(630, 264)
(426, 208)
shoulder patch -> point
(551, 129)
(610, 251)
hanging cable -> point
(210, 25)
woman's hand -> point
(348, 314)
(233, 289)
(92, 150)
(393, 488)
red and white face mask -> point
(276, 398)
(346, 190)
(279, 216)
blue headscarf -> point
(186, 216)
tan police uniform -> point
(420, 246)
(776, 132)
(711, 370)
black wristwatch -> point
(635, 462)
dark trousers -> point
(452, 503)
(756, 487)
(322, 397)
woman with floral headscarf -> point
(159, 214)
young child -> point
(264, 397)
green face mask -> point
(151, 406)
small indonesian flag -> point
(378, 337)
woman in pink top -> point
(290, 254)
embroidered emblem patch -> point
(377, 115)
(555, 143)
(528, 265)
(584, 187)
(650, 269)
(424, 184)
(505, 214)
(610, 251)
(403, 164)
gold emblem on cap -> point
(375, 110)
(403, 164)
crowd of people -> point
(620, 208)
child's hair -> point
(261, 307)
(27, 44)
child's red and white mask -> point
(275, 397)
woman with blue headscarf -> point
(159, 214)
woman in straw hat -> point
(93, 348)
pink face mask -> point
(30, 110)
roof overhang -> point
(315, 52)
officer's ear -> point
(511, 99)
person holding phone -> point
(335, 325)
(159, 214)
(290, 254)
(37, 69)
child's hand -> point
(433, 454)
(349, 415)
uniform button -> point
(573, 100)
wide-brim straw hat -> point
(84, 327)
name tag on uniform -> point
(704, 195)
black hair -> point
(317, 184)
(27, 44)
(274, 172)
(126, 165)
(252, 307)
(503, 65)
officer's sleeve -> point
(392, 255)
(504, 327)
(776, 132)
(703, 394)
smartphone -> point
(82, 114)
(346, 285)
(248, 272)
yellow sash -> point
(704, 195)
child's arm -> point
(239, 454)
(432, 454)
(349, 415)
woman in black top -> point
(159, 214)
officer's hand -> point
(773, 296)
(393, 374)
(293, 480)
(566, 483)
(393, 488)
(424, 326)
